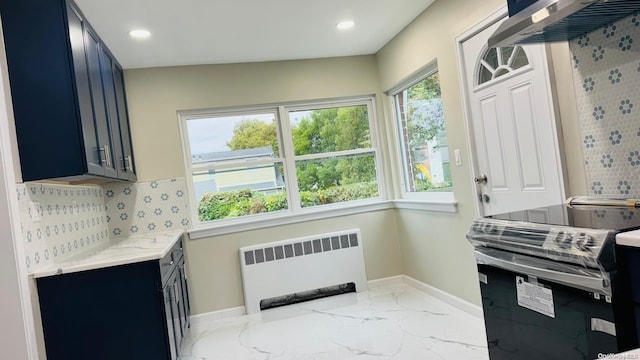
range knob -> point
(584, 241)
(491, 229)
(563, 240)
(477, 226)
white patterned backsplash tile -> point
(146, 207)
(606, 65)
(59, 221)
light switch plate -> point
(456, 153)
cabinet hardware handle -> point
(108, 155)
(103, 155)
(171, 263)
(127, 164)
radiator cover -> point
(301, 264)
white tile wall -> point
(606, 66)
(59, 221)
(146, 207)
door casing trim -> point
(491, 19)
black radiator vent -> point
(307, 296)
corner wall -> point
(154, 97)
(434, 247)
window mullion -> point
(400, 122)
(376, 143)
(289, 159)
(186, 152)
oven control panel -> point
(579, 246)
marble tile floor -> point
(393, 321)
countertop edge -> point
(630, 238)
(73, 265)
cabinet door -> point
(91, 148)
(180, 302)
(167, 292)
(123, 116)
(186, 309)
(112, 112)
(92, 46)
(175, 310)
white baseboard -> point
(218, 315)
(455, 301)
(391, 280)
(240, 310)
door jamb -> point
(491, 19)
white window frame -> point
(295, 211)
(443, 200)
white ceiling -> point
(187, 32)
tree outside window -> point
(423, 137)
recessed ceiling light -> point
(345, 25)
(139, 33)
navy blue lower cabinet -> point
(628, 260)
(135, 311)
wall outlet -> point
(456, 153)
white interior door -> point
(512, 125)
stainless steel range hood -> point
(558, 20)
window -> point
(497, 62)
(422, 137)
(281, 159)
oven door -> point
(532, 311)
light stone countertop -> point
(629, 238)
(116, 252)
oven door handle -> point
(583, 278)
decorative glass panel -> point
(497, 62)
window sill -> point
(208, 230)
(442, 206)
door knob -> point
(480, 179)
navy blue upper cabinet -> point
(129, 167)
(117, 112)
(67, 93)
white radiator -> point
(297, 265)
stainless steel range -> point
(549, 281)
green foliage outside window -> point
(421, 109)
(231, 204)
(251, 134)
(328, 130)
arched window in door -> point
(496, 62)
